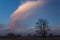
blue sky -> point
(50, 11)
(6, 9)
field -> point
(30, 38)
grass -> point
(30, 38)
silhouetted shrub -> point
(29, 35)
(18, 35)
(50, 35)
(11, 35)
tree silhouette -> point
(42, 27)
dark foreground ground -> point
(30, 38)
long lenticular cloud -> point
(22, 10)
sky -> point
(26, 13)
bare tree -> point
(42, 27)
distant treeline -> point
(28, 35)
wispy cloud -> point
(22, 10)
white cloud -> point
(22, 10)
